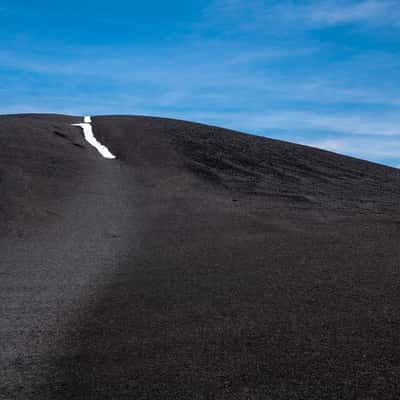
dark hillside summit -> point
(201, 263)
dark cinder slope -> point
(201, 264)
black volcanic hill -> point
(200, 264)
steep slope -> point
(253, 165)
(201, 263)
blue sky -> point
(319, 72)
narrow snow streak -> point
(89, 137)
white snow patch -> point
(89, 137)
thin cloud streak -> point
(312, 14)
(369, 125)
(193, 75)
(331, 13)
(372, 148)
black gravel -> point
(200, 264)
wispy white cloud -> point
(378, 141)
(327, 13)
(200, 75)
(317, 13)
(268, 122)
(368, 148)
